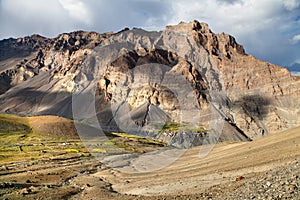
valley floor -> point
(268, 168)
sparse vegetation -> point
(72, 150)
(18, 141)
(171, 127)
(14, 124)
(176, 127)
(21, 141)
(98, 150)
(137, 138)
(109, 143)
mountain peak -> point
(217, 44)
(189, 26)
(39, 76)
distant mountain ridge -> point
(39, 76)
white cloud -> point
(19, 18)
(295, 39)
(78, 10)
(291, 4)
(295, 73)
(240, 17)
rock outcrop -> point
(136, 81)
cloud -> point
(111, 15)
(19, 18)
(268, 29)
(295, 39)
(228, 1)
(240, 16)
(295, 73)
(291, 4)
(77, 9)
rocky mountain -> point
(184, 85)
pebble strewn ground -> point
(279, 183)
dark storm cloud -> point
(268, 29)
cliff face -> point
(141, 80)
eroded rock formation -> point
(141, 80)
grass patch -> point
(125, 135)
(72, 150)
(176, 127)
(8, 149)
(98, 150)
(140, 139)
(152, 142)
(171, 127)
(109, 143)
(12, 123)
(11, 138)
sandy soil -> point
(229, 171)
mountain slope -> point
(137, 81)
(191, 175)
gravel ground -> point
(279, 183)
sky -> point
(268, 29)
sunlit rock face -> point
(141, 80)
